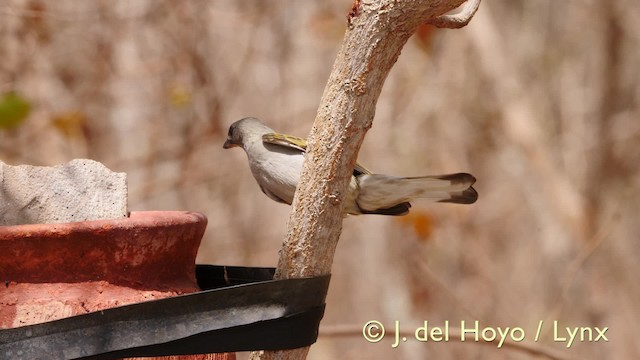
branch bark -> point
(377, 31)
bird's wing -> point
(285, 140)
(301, 144)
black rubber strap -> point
(239, 309)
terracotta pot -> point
(51, 271)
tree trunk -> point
(375, 35)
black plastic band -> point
(239, 309)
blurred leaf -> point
(179, 96)
(71, 123)
(420, 222)
(13, 110)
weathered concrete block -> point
(80, 190)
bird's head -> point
(244, 130)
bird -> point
(276, 162)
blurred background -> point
(540, 100)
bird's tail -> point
(379, 191)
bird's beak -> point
(228, 144)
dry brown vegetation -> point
(540, 100)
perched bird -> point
(276, 163)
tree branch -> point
(377, 31)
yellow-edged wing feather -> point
(285, 140)
(301, 144)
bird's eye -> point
(230, 132)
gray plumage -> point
(276, 162)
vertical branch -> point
(377, 31)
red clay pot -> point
(51, 271)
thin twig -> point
(578, 262)
(455, 334)
(456, 21)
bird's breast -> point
(279, 172)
